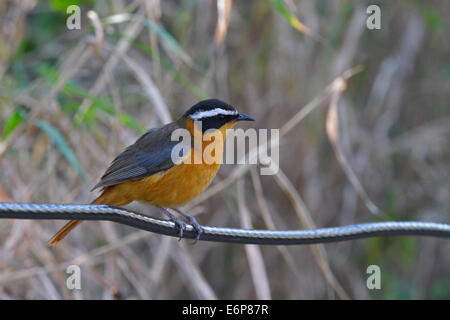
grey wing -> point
(150, 154)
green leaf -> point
(14, 120)
(130, 122)
(73, 89)
(61, 5)
(159, 30)
(432, 18)
(62, 145)
(167, 37)
(293, 21)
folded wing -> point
(150, 154)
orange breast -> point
(178, 185)
(172, 188)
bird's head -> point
(214, 114)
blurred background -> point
(71, 100)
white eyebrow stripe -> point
(201, 114)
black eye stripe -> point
(215, 122)
(219, 116)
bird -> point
(145, 171)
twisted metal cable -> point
(266, 237)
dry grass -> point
(351, 142)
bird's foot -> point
(180, 224)
(198, 230)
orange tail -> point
(107, 197)
(63, 232)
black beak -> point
(244, 117)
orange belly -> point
(172, 188)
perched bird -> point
(146, 172)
